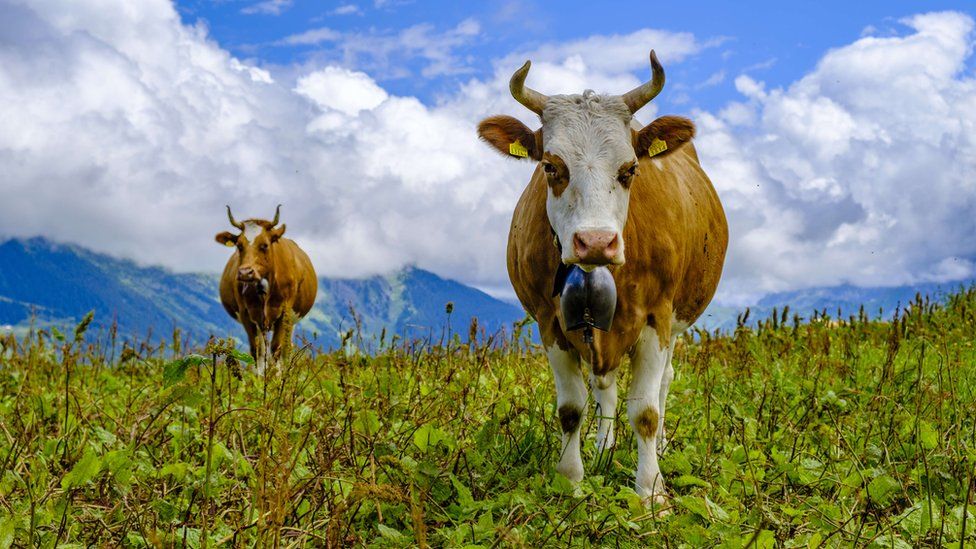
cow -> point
(607, 192)
(268, 279)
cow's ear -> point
(226, 238)
(663, 136)
(511, 137)
(277, 233)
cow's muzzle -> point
(247, 274)
(597, 247)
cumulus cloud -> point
(128, 134)
(860, 172)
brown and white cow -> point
(266, 279)
(604, 187)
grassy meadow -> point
(793, 433)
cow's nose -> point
(245, 273)
(596, 247)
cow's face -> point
(256, 244)
(589, 162)
(589, 155)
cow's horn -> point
(230, 216)
(533, 100)
(642, 95)
(277, 215)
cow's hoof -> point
(605, 443)
(572, 471)
(658, 504)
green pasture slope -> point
(831, 432)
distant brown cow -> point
(267, 277)
(601, 182)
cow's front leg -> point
(649, 362)
(256, 342)
(280, 339)
(260, 350)
(571, 401)
(605, 394)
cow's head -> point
(589, 154)
(255, 244)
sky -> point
(840, 137)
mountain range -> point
(50, 283)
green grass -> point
(830, 433)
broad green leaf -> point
(391, 534)
(175, 371)
(464, 494)
(927, 435)
(85, 470)
(7, 530)
(367, 423)
(882, 489)
(242, 357)
(689, 480)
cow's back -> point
(674, 243)
(302, 273)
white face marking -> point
(591, 134)
(252, 230)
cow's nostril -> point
(596, 247)
(579, 245)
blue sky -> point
(776, 42)
(840, 137)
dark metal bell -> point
(589, 299)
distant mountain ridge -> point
(845, 299)
(60, 283)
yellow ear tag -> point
(516, 149)
(229, 244)
(657, 147)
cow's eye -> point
(263, 247)
(628, 174)
(550, 169)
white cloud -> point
(860, 172)
(128, 134)
(311, 37)
(347, 9)
(384, 52)
(267, 7)
(340, 89)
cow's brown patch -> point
(673, 130)
(557, 173)
(501, 131)
(569, 417)
(646, 422)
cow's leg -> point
(259, 347)
(649, 362)
(255, 341)
(666, 379)
(605, 394)
(571, 401)
(280, 339)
